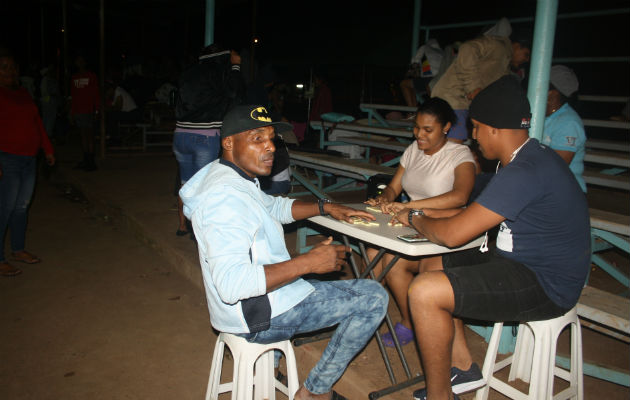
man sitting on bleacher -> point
(253, 287)
(539, 264)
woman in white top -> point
(435, 173)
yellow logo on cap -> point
(260, 114)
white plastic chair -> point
(534, 361)
(247, 357)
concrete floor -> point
(116, 309)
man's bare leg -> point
(461, 357)
(408, 92)
(431, 301)
(398, 279)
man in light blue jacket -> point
(253, 287)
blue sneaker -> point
(465, 381)
(461, 381)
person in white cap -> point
(563, 130)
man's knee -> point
(379, 299)
(431, 289)
(401, 271)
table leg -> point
(325, 335)
(388, 320)
(411, 381)
(390, 325)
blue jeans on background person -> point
(195, 151)
(17, 183)
(357, 306)
(460, 129)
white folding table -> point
(384, 238)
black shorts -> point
(489, 287)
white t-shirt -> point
(128, 103)
(429, 176)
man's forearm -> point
(455, 230)
(426, 226)
(303, 209)
(280, 274)
(444, 213)
(435, 224)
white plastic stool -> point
(247, 356)
(538, 365)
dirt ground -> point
(116, 309)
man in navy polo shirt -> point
(536, 269)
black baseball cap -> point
(503, 105)
(247, 117)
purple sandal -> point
(404, 334)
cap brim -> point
(280, 127)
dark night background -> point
(363, 46)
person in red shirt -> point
(322, 104)
(322, 99)
(22, 134)
(83, 109)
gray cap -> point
(564, 79)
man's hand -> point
(321, 259)
(402, 216)
(344, 213)
(325, 257)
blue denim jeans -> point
(16, 189)
(356, 306)
(194, 151)
(460, 129)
